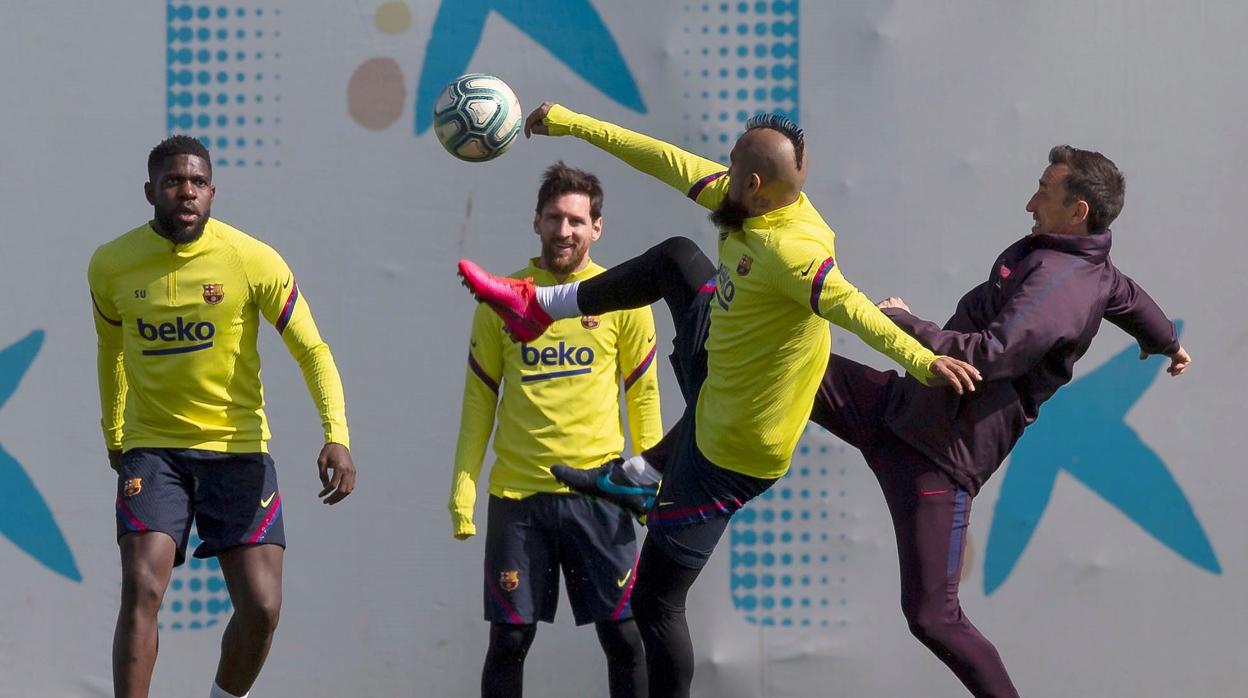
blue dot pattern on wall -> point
(789, 548)
(223, 79)
(741, 59)
(197, 597)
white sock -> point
(218, 692)
(559, 301)
(640, 470)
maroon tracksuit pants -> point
(930, 515)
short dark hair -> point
(1095, 179)
(784, 125)
(559, 179)
(176, 145)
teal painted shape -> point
(571, 30)
(1084, 432)
(25, 518)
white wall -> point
(928, 125)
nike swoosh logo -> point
(264, 503)
(287, 282)
(621, 582)
(606, 485)
(649, 339)
(809, 267)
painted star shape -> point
(1083, 431)
(571, 30)
(25, 518)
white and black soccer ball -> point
(477, 117)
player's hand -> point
(958, 375)
(341, 483)
(114, 460)
(536, 123)
(1179, 361)
(893, 302)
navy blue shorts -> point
(232, 498)
(527, 542)
(696, 498)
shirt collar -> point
(542, 277)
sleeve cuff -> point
(924, 374)
(463, 525)
(559, 120)
(338, 435)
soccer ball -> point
(477, 117)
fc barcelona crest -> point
(743, 267)
(589, 322)
(509, 580)
(133, 486)
(213, 293)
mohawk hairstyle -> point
(784, 125)
(176, 145)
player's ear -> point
(149, 192)
(597, 227)
(537, 217)
(1081, 211)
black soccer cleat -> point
(609, 482)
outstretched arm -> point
(704, 181)
(810, 274)
(1137, 314)
(1035, 318)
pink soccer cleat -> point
(514, 300)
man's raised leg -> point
(253, 575)
(146, 566)
(674, 270)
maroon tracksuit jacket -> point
(1023, 328)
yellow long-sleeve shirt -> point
(177, 325)
(559, 402)
(777, 281)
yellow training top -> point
(777, 280)
(560, 399)
(177, 324)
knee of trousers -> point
(932, 622)
(677, 248)
(620, 641)
(512, 640)
(648, 608)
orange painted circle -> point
(376, 93)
